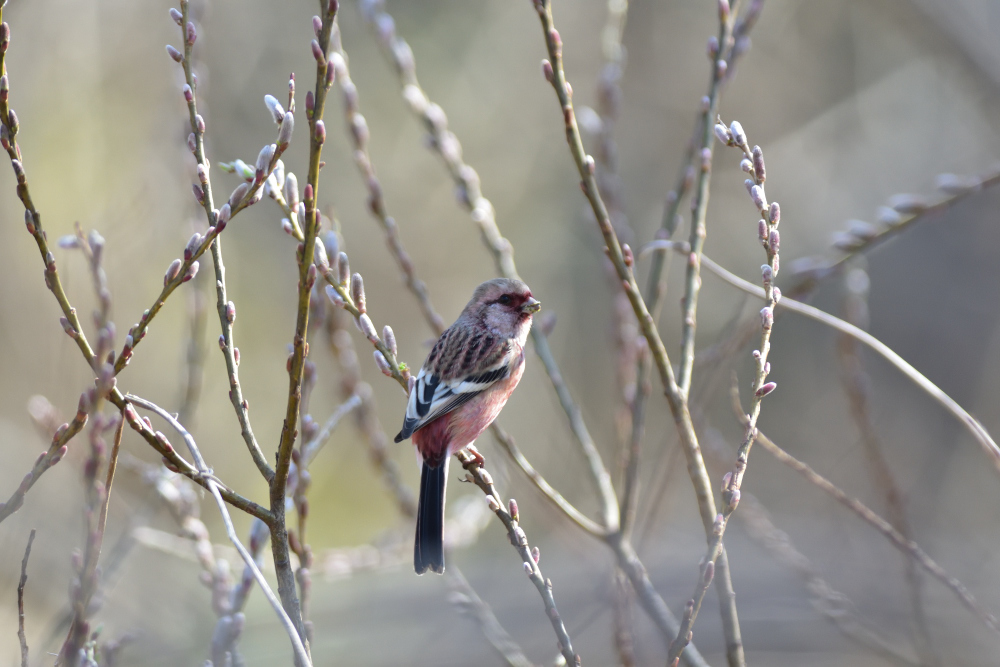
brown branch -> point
(301, 653)
(856, 385)
(908, 547)
(315, 106)
(20, 601)
(472, 462)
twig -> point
(56, 451)
(975, 428)
(465, 598)
(833, 605)
(357, 132)
(767, 231)
(481, 478)
(20, 601)
(622, 262)
(857, 387)
(213, 487)
(692, 279)
(898, 540)
(246, 194)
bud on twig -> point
(389, 338)
(758, 164)
(358, 292)
(174, 53)
(287, 127)
(344, 268)
(320, 258)
(739, 136)
(367, 327)
(382, 364)
(765, 389)
(172, 271)
(274, 106)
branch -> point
(315, 105)
(472, 462)
(622, 262)
(857, 386)
(20, 601)
(213, 487)
(246, 194)
(767, 232)
(975, 428)
(56, 451)
(692, 279)
(898, 540)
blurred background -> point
(852, 103)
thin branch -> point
(832, 604)
(975, 428)
(472, 462)
(20, 601)
(898, 540)
(468, 602)
(213, 487)
(676, 399)
(692, 279)
(857, 386)
(245, 195)
(56, 451)
(767, 231)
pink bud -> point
(766, 317)
(172, 271)
(758, 164)
(765, 389)
(174, 53)
(382, 364)
(358, 292)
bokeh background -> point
(852, 102)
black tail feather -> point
(428, 547)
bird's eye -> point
(505, 299)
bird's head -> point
(504, 306)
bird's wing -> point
(461, 366)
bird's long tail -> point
(428, 547)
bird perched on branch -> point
(461, 388)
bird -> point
(463, 385)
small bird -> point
(461, 388)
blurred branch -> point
(357, 131)
(98, 498)
(975, 428)
(833, 605)
(56, 451)
(20, 601)
(857, 387)
(465, 598)
(908, 547)
(901, 213)
(213, 487)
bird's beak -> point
(531, 306)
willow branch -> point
(908, 547)
(972, 425)
(22, 639)
(481, 478)
(213, 487)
